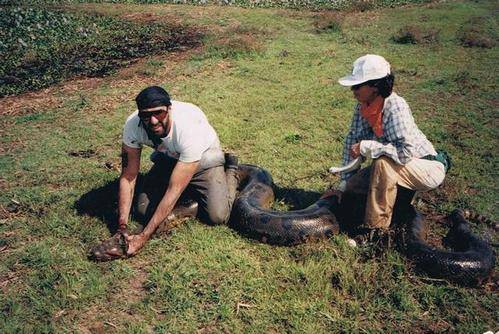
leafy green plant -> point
(40, 47)
(358, 5)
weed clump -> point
(416, 35)
(40, 47)
(328, 23)
(478, 32)
(237, 42)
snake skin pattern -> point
(470, 262)
(252, 216)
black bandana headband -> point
(152, 97)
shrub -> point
(328, 22)
(356, 5)
(478, 32)
(416, 35)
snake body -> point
(470, 262)
(251, 213)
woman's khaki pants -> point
(379, 182)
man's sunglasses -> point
(146, 115)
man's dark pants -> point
(213, 188)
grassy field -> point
(266, 78)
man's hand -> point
(135, 243)
(355, 150)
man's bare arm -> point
(180, 178)
(130, 166)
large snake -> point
(251, 213)
(471, 261)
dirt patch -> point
(478, 32)
(83, 153)
(52, 97)
(152, 18)
(232, 45)
(416, 35)
(437, 228)
(328, 22)
(27, 103)
(13, 145)
(135, 290)
(238, 39)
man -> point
(187, 155)
(384, 130)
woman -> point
(384, 130)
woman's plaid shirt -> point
(401, 139)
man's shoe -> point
(180, 213)
(231, 161)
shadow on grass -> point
(297, 199)
(102, 203)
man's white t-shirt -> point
(191, 137)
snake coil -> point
(251, 213)
(470, 262)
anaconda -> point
(251, 213)
(470, 262)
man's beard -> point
(153, 131)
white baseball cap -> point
(365, 68)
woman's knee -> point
(384, 169)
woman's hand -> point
(355, 150)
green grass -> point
(266, 78)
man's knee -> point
(218, 214)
